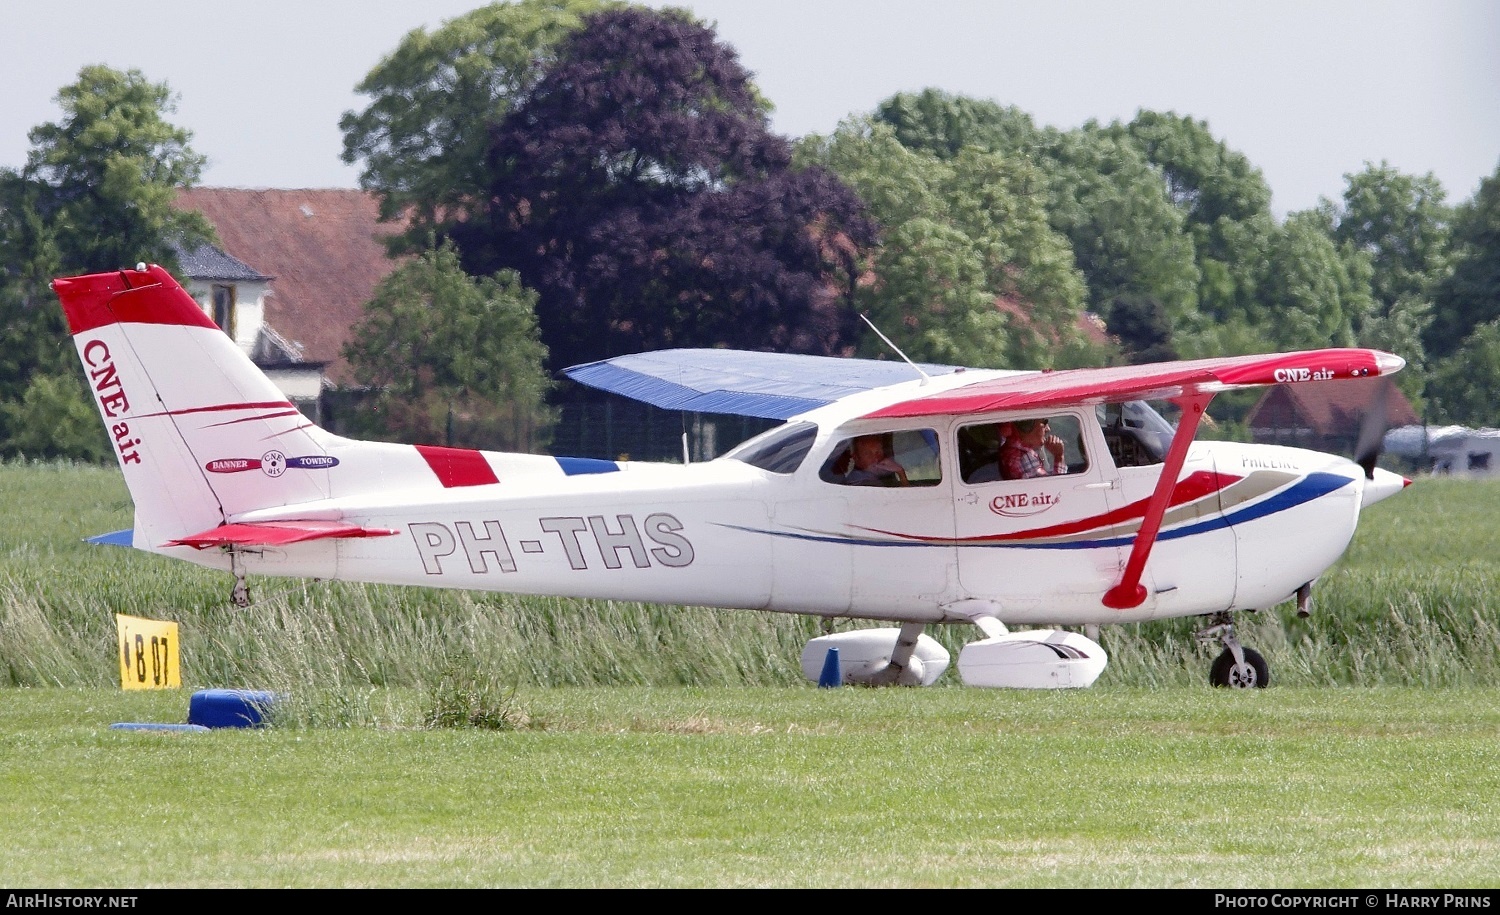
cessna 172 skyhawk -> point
(1136, 520)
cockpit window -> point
(906, 457)
(1137, 435)
(1021, 449)
(778, 450)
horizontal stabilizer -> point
(276, 533)
(113, 538)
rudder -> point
(200, 432)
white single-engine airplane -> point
(1134, 521)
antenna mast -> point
(866, 318)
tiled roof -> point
(323, 248)
(1330, 407)
(209, 263)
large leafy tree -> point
(424, 138)
(942, 124)
(1402, 223)
(638, 188)
(1101, 192)
(1469, 294)
(1224, 200)
(1127, 235)
(95, 194)
(451, 358)
(969, 271)
(1462, 385)
(1314, 292)
(1464, 337)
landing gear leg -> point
(1238, 667)
(903, 669)
(1304, 600)
(240, 595)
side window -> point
(1022, 449)
(907, 457)
(1137, 435)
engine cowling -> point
(865, 653)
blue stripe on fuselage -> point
(1313, 486)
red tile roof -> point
(323, 248)
(1328, 408)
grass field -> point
(630, 745)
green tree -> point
(1462, 385)
(108, 173)
(942, 124)
(969, 270)
(1141, 325)
(1206, 179)
(1402, 223)
(424, 138)
(1469, 294)
(95, 194)
(1102, 193)
(1224, 200)
(1314, 292)
(1127, 235)
(453, 359)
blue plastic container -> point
(230, 708)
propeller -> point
(1372, 428)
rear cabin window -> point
(906, 457)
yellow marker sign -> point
(148, 653)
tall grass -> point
(1411, 603)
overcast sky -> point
(1308, 90)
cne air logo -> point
(1022, 504)
(272, 463)
(1287, 376)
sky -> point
(1308, 90)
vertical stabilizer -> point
(200, 432)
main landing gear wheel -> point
(1252, 674)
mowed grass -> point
(636, 746)
(773, 787)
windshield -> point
(779, 450)
(1136, 433)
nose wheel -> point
(1238, 667)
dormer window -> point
(223, 302)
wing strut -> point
(1129, 592)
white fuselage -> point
(1252, 524)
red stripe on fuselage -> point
(457, 466)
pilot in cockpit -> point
(873, 465)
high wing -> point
(1156, 381)
(740, 382)
(781, 385)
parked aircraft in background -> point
(886, 495)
